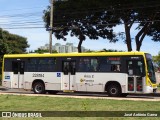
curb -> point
(151, 94)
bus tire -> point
(39, 88)
(114, 90)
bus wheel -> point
(39, 88)
(114, 90)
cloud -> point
(4, 21)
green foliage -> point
(104, 50)
(90, 51)
(80, 23)
(84, 105)
(11, 44)
(40, 51)
(43, 51)
(3, 43)
(96, 18)
(156, 59)
(111, 50)
(37, 103)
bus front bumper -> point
(149, 89)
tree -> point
(96, 18)
(111, 50)
(157, 59)
(145, 14)
(11, 43)
(44, 51)
(81, 22)
(3, 45)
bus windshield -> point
(150, 67)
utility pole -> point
(51, 26)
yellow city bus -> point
(115, 73)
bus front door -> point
(68, 78)
(136, 77)
(18, 74)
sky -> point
(19, 14)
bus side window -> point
(130, 67)
(139, 68)
(81, 65)
(84, 65)
(94, 64)
(22, 64)
(115, 68)
(103, 66)
(15, 67)
(65, 68)
(73, 68)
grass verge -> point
(28, 103)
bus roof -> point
(74, 54)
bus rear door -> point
(68, 78)
(18, 74)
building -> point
(45, 47)
(68, 48)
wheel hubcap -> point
(38, 88)
(113, 91)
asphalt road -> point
(139, 97)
